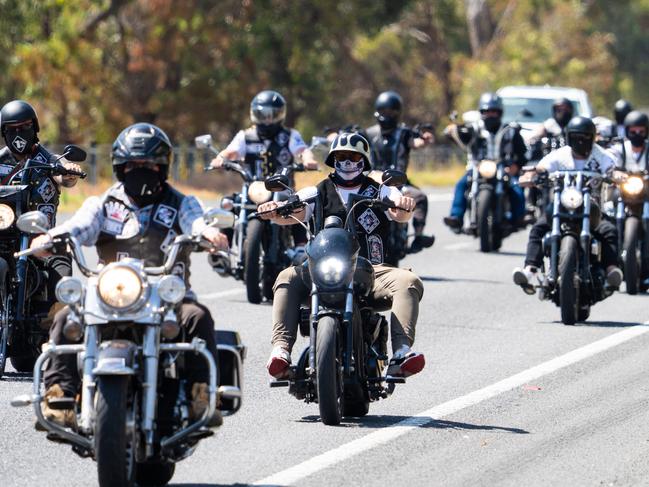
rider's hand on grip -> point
(266, 211)
(43, 244)
(217, 240)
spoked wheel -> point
(115, 432)
(630, 255)
(485, 220)
(568, 292)
(5, 314)
(152, 474)
(328, 372)
(253, 264)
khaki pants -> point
(400, 286)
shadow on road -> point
(449, 279)
(391, 420)
(508, 253)
(17, 377)
(600, 324)
(210, 485)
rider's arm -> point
(190, 218)
(406, 204)
(235, 150)
(298, 148)
(278, 219)
(86, 223)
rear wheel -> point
(152, 474)
(114, 433)
(253, 261)
(485, 220)
(568, 293)
(629, 254)
(328, 371)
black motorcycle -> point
(575, 278)
(259, 250)
(343, 368)
(632, 221)
(23, 289)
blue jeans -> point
(514, 192)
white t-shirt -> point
(295, 143)
(635, 161)
(562, 160)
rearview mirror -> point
(203, 141)
(392, 177)
(33, 222)
(277, 182)
(216, 217)
(74, 153)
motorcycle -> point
(343, 367)
(632, 221)
(23, 289)
(133, 409)
(260, 250)
(576, 279)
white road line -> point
(313, 465)
(435, 197)
(220, 294)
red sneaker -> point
(279, 363)
(406, 363)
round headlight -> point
(119, 287)
(7, 216)
(487, 169)
(633, 186)
(331, 270)
(69, 290)
(171, 289)
(571, 198)
(258, 193)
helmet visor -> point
(261, 114)
(159, 160)
(387, 113)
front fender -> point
(116, 357)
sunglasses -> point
(348, 156)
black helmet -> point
(621, 110)
(636, 119)
(580, 135)
(141, 141)
(490, 101)
(18, 111)
(267, 112)
(387, 109)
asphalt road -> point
(509, 396)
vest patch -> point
(165, 215)
(112, 227)
(368, 220)
(5, 169)
(49, 210)
(47, 190)
(40, 158)
(375, 248)
(116, 211)
(19, 143)
(282, 138)
(121, 256)
(284, 156)
(370, 192)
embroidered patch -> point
(112, 227)
(49, 210)
(370, 192)
(116, 211)
(47, 190)
(19, 143)
(165, 215)
(369, 221)
(121, 255)
(39, 158)
(130, 229)
(375, 249)
(284, 156)
(282, 138)
(171, 235)
(5, 169)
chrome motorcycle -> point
(133, 411)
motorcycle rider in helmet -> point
(19, 127)
(350, 158)
(632, 153)
(489, 139)
(135, 218)
(391, 146)
(621, 109)
(580, 153)
(562, 113)
(268, 145)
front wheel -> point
(629, 253)
(5, 314)
(253, 260)
(568, 292)
(152, 474)
(485, 220)
(114, 432)
(328, 371)
(23, 363)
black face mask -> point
(581, 144)
(387, 124)
(268, 131)
(563, 119)
(637, 140)
(142, 184)
(492, 124)
(20, 140)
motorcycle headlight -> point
(7, 216)
(633, 186)
(171, 289)
(487, 169)
(571, 198)
(331, 270)
(258, 193)
(120, 287)
(69, 290)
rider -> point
(580, 153)
(391, 145)
(489, 139)
(350, 157)
(135, 218)
(19, 127)
(562, 113)
(632, 153)
(620, 111)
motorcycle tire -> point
(583, 313)
(568, 293)
(253, 261)
(152, 474)
(629, 251)
(4, 332)
(485, 220)
(23, 363)
(114, 444)
(329, 383)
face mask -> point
(563, 118)
(492, 124)
(141, 183)
(581, 145)
(348, 170)
(20, 140)
(637, 140)
(268, 131)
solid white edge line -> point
(320, 462)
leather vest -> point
(628, 160)
(45, 191)
(124, 235)
(390, 150)
(265, 161)
(372, 226)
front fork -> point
(242, 225)
(21, 275)
(151, 354)
(555, 239)
(620, 213)
(585, 239)
(473, 196)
